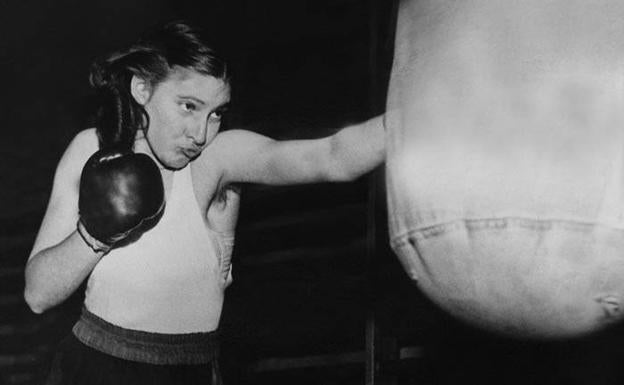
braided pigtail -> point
(119, 115)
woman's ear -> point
(140, 90)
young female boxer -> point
(154, 239)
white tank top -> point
(172, 279)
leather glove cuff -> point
(93, 243)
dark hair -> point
(151, 58)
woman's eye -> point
(188, 107)
(216, 115)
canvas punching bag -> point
(505, 168)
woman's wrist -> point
(94, 244)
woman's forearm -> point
(54, 273)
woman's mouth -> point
(191, 152)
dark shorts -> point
(98, 353)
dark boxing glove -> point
(120, 192)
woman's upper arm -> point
(62, 211)
(250, 157)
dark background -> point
(318, 297)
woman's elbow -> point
(343, 174)
(347, 164)
(34, 301)
(351, 171)
(34, 298)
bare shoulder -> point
(209, 168)
(234, 146)
(84, 143)
(82, 146)
(238, 150)
(239, 140)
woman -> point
(153, 304)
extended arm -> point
(60, 259)
(344, 156)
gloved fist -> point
(120, 193)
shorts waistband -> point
(147, 347)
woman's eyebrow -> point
(193, 98)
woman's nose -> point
(198, 132)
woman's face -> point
(184, 115)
